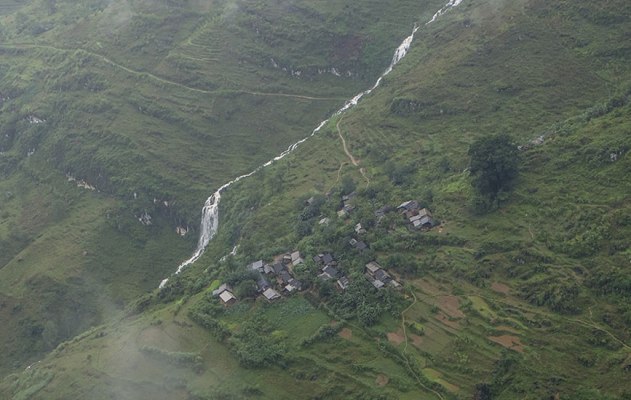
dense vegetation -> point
(494, 165)
(529, 299)
(113, 112)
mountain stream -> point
(210, 212)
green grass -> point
(131, 370)
(151, 103)
(559, 240)
(541, 235)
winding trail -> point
(407, 361)
(348, 153)
(406, 358)
(403, 320)
(401, 356)
(593, 325)
(159, 79)
(339, 176)
(570, 320)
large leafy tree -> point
(494, 162)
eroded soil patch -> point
(447, 321)
(396, 337)
(382, 380)
(450, 306)
(500, 288)
(508, 341)
(346, 333)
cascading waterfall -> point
(210, 212)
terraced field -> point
(156, 104)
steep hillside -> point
(526, 298)
(117, 114)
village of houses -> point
(277, 279)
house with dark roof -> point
(348, 197)
(278, 268)
(292, 286)
(379, 277)
(329, 272)
(262, 284)
(343, 283)
(358, 244)
(295, 283)
(418, 218)
(410, 205)
(328, 259)
(423, 223)
(422, 219)
(347, 206)
(285, 276)
(222, 289)
(381, 212)
(375, 282)
(409, 214)
(383, 276)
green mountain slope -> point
(530, 300)
(112, 111)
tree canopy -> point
(494, 162)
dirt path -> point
(403, 320)
(598, 327)
(405, 359)
(440, 396)
(590, 324)
(163, 80)
(348, 153)
(339, 176)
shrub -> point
(493, 166)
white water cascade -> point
(210, 212)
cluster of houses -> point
(281, 270)
(329, 270)
(419, 218)
(378, 277)
(282, 274)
